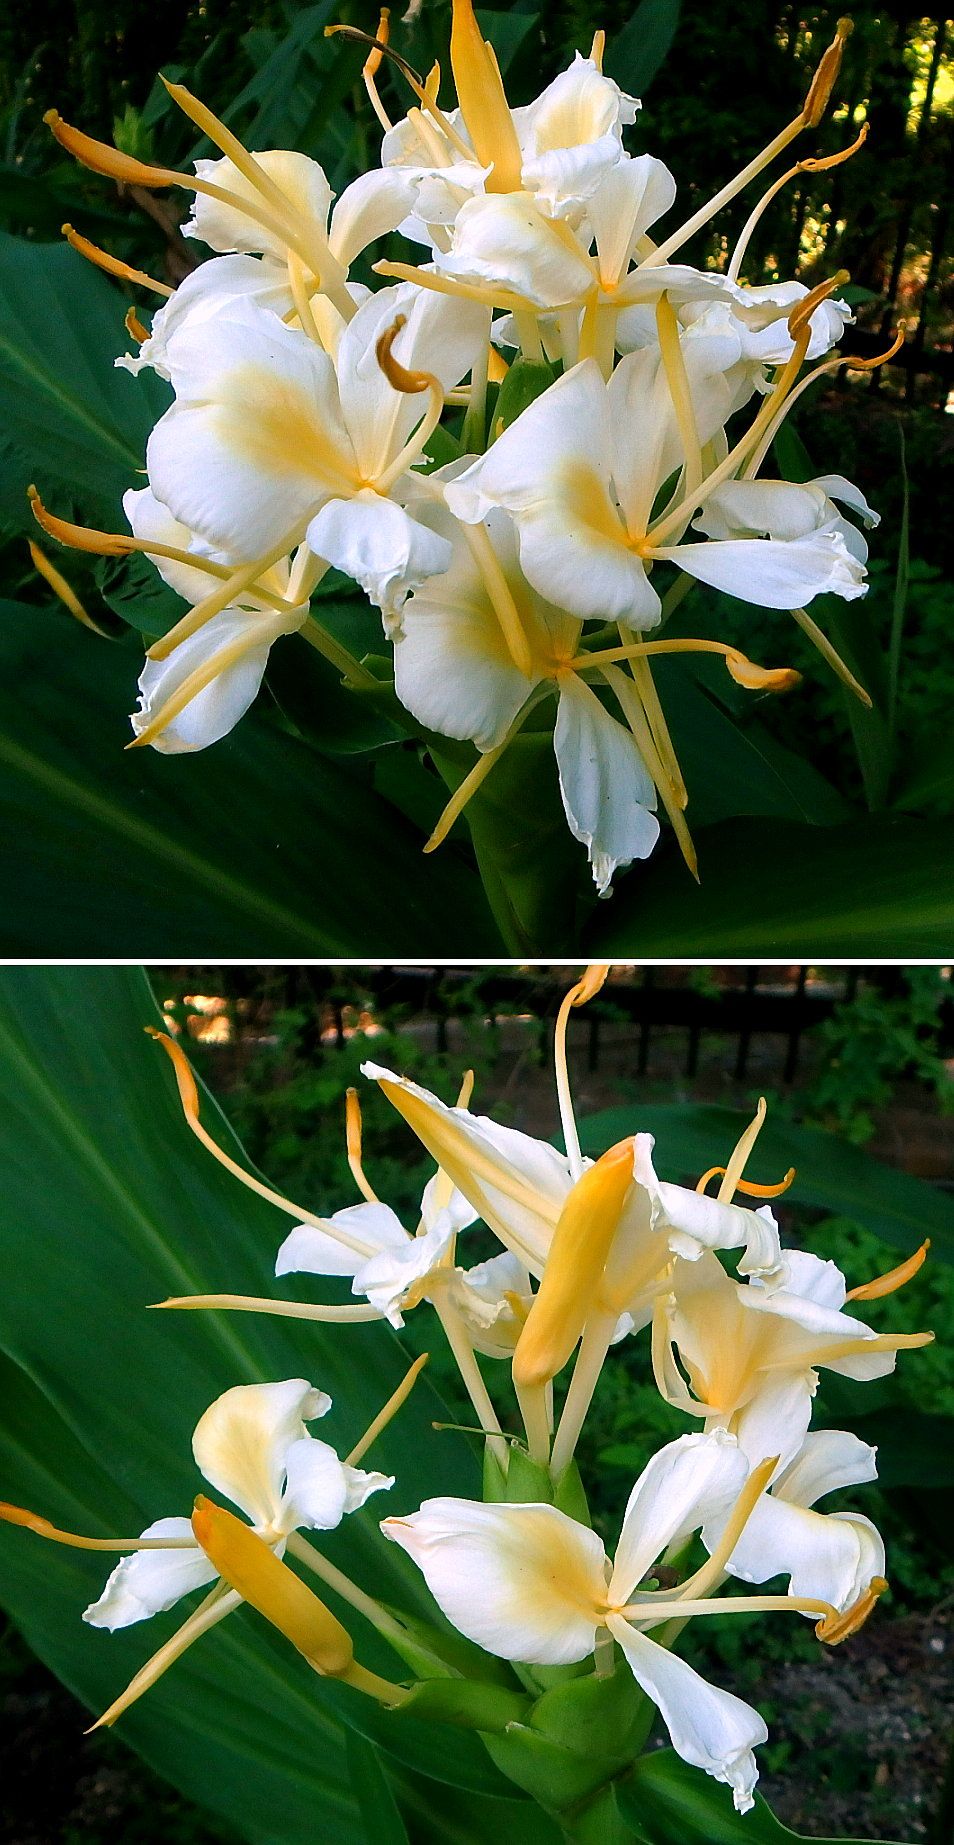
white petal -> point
(472, 1149)
(847, 494)
(693, 1221)
(828, 1557)
(321, 1489)
(774, 573)
(776, 1418)
(225, 227)
(608, 794)
(453, 669)
(379, 545)
(815, 1279)
(203, 294)
(242, 1441)
(519, 1580)
(388, 1277)
(150, 1581)
(216, 710)
(459, 1213)
(710, 1728)
(372, 205)
(631, 197)
(828, 1459)
(688, 1481)
(254, 443)
(440, 336)
(150, 520)
(308, 1250)
(505, 240)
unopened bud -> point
(581, 1244)
(250, 1566)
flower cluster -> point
(736, 1329)
(549, 421)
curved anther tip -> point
(51, 118)
(410, 383)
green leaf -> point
(872, 888)
(668, 1802)
(756, 775)
(258, 846)
(534, 873)
(118, 1206)
(526, 380)
(634, 55)
(831, 1174)
(77, 423)
(382, 1821)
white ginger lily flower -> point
(565, 140)
(269, 443)
(752, 1355)
(582, 495)
(396, 1274)
(521, 1186)
(454, 669)
(833, 1556)
(252, 1445)
(198, 692)
(528, 1583)
(759, 319)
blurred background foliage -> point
(859, 1735)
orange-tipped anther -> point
(102, 157)
(894, 1279)
(112, 264)
(871, 365)
(761, 678)
(188, 1092)
(79, 537)
(410, 383)
(748, 1187)
(803, 310)
(826, 76)
(834, 1628)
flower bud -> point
(581, 1244)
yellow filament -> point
(483, 103)
(632, 708)
(189, 1098)
(748, 1187)
(217, 1604)
(894, 1279)
(395, 1401)
(282, 1309)
(585, 989)
(235, 583)
(372, 65)
(708, 1574)
(492, 294)
(42, 1527)
(829, 653)
(353, 1143)
(62, 588)
(674, 365)
(581, 1244)
(814, 164)
(100, 157)
(739, 1157)
(112, 264)
(598, 48)
(501, 596)
(854, 364)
